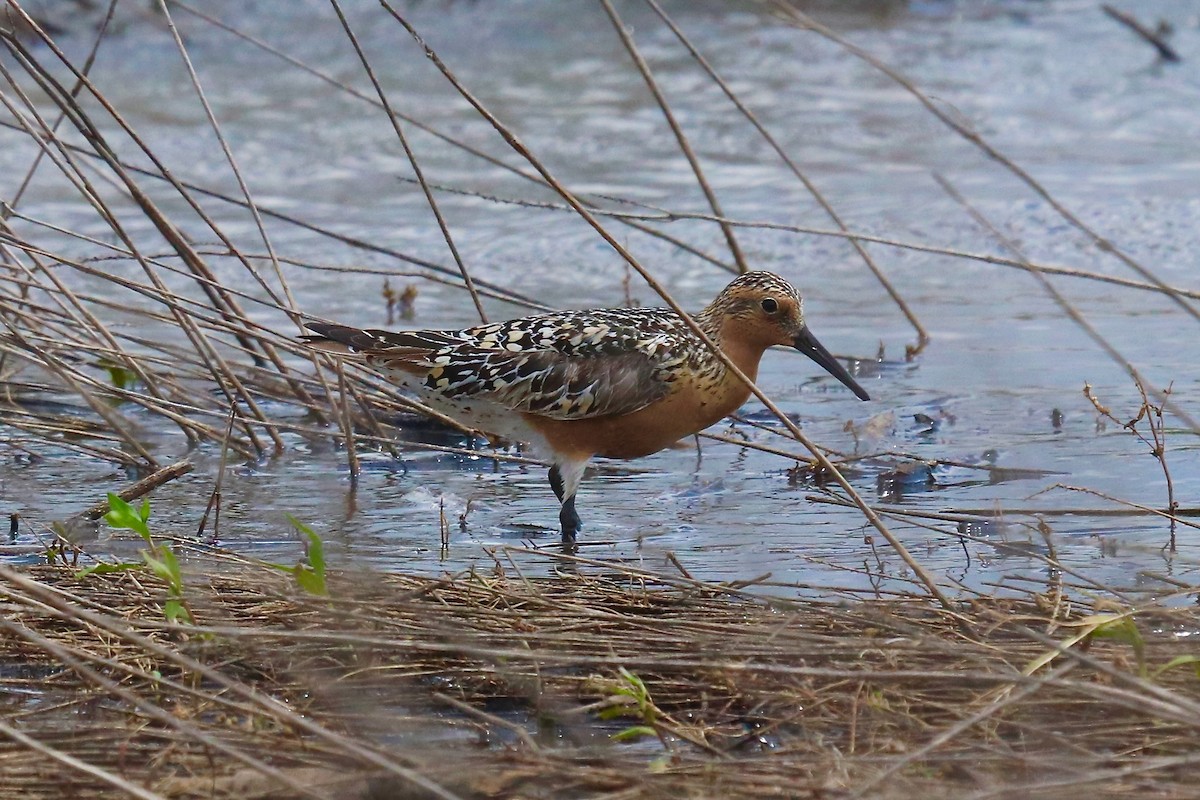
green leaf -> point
(1124, 630)
(119, 376)
(1179, 661)
(314, 550)
(157, 566)
(633, 680)
(169, 558)
(612, 712)
(1086, 628)
(174, 611)
(633, 733)
(121, 515)
(638, 691)
(104, 568)
(309, 580)
(165, 565)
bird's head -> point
(761, 309)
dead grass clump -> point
(492, 685)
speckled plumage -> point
(568, 382)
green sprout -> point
(310, 572)
(158, 558)
(631, 691)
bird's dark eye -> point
(769, 305)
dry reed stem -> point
(217, 294)
(685, 146)
(810, 187)
(238, 329)
(171, 374)
(230, 158)
(1151, 37)
(655, 213)
(800, 19)
(1068, 307)
(448, 139)
(86, 68)
(412, 160)
(72, 762)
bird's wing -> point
(562, 366)
(550, 384)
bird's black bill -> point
(807, 343)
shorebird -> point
(610, 382)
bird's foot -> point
(569, 519)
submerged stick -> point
(1153, 37)
(142, 487)
(214, 499)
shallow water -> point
(1056, 85)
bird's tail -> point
(404, 350)
(340, 340)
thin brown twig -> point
(797, 17)
(1157, 441)
(1066, 305)
(229, 157)
(684, 145)
(666, 216)
(86, 68)
(809, 185)
(423, 126)
(1009, 697)
(140, 488)
(222, 374)
(1165, 51)
(69, 761)
(271, 705)
(412, 160)
(220, 299)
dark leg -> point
(556, 482)
(569, 520)
(564, 487)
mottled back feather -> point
(568, 365)
(565, 365)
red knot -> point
(610, 382)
